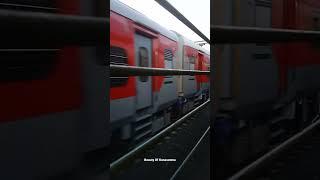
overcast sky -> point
(198, 12)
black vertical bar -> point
(178, 15)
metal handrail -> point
(184, 20)
(20, 29)
(256, 164)
(236, 34)
(190, 154)
(121, 70)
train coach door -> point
(143, 58)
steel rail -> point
(130, 155)
(122, 70)
(20, 29)
(165, 4)
(236, 34)
(189, 155)
(280, 148)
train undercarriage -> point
(239, 141)
(139, 128)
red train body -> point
(47, 124)
(300, 59)
(140, 106)
(267, 91)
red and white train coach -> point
(203, 64)
(269, 90)
(191, 89)
(299, 62)
(261, 74)
(140, 106)
(49, 118)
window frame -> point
(143, 62)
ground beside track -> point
(199, 165)
(299, 162)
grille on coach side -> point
(168, 60)
(168, 56)
(118, 56)
(27, 63)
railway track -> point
(295, 158)
(173, 147)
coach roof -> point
(203, 50)
(190, 43)
(138, 17)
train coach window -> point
(192, 60)
(26, 64)
(143, 61)
(118, 56)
